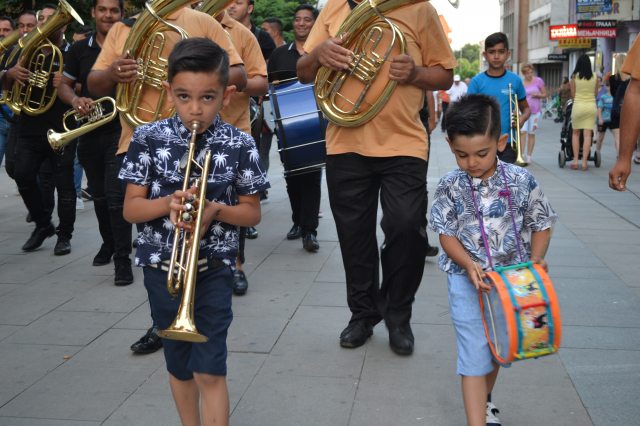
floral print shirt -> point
(453, 213)
(153, 160)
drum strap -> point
(513, 218)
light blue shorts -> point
(474, 353)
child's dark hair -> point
(474, 115)
(496, 38)
(198, 54)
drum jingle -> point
(521, 315)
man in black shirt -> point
(304, 189)
(97, 149)
(33, 148)
(241, 11)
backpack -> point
(618, 99)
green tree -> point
(281, 9)
(470, 52)
(467, 69)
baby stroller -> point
(566, 149)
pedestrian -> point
(534, 86)
(458, 90)
(474, 135)
(275, 28)
(618, 77)
(7, 26)
(198, 78)
(606, 121)
(444, 104)
(564, 92)
(584, 88)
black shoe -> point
(294, 233)
(356, 334)
(86, 194)
(28, 219)
(401, 340)
(310, 243)
(63, 246)
(252, 233)
(104, 256)
(124, 274)
(134, 243)
(240, 283)
(149, 343)
(38, 236)
(432, 251)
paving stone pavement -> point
(65, 329)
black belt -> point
(203, 264)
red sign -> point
(557, 32)
(598, 32)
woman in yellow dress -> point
(584, 87)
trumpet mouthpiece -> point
(195, 125)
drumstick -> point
(493, 323)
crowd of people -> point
(135, 168)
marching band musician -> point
(113, 66)
(387, 154)
(237, 112)
(7, 26)
(97, 149)
(303, 189)
(33, 149)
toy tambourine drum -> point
(521, 314)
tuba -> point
(183, 271)
(95, 119)
(9, 41)
(214, 7)
(145, 44)
(514, 130)
(363, 37)
(20, 98)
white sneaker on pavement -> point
(320, 214)
(79, 204)
(529, 159)
(492, 420)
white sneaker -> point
(79, 204)
(492, 420)
(529, 159)
(16, 191)
(320, 214)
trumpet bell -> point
(184, 329)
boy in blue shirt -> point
(198, 75)
(606, 121)
(495, 82)
(484, 197)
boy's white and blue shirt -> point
(453, 213)
(153, 160)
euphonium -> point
(145, 44)
(95, 119)
(214, 7)
(514, 130)
(19, 99)
(10, 40)
(363, 37)
(183, 271)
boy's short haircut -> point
(495, 39)
(474, 115)
(275, 24)
(198, 54)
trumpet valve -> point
(186, 217)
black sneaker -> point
(355, 334)
(38, 236)
(124, 274)
(104, 256)
(240, 283)
(310, 243)
(252, 233)
(149, 343)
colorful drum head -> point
(521, 314)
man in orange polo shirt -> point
(237, 112)
(387, 154)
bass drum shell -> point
(299, 125)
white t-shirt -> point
(457, 91)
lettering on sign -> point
(574, 43)
(597, 24)
(598, 32)
(557, 32)
(591, 6)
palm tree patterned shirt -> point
(153, 160)
(453, 213)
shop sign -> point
(558, 57)
(597, 29)
(574, 43)
(594, 6)
(557, 32)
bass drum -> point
(299, 125)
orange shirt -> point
(444, 96)
(396, 130)
(196, 24)
(246, 44)
(632, 64)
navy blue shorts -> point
(212, 317)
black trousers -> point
(509, 154)
(354, 183)
(443, 124)
(30, 153)
(97, 155)
(304, 195)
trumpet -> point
(514, 130)
(95, 119)
(183, 271)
